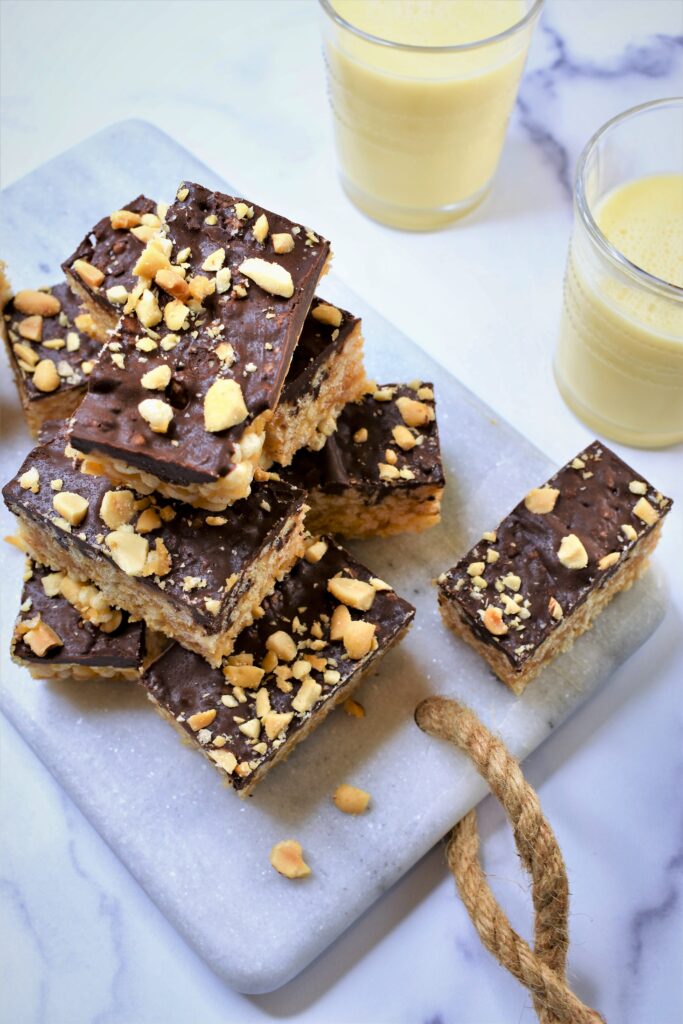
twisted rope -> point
(542, 970)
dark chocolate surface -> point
(84, 643)
(185, 684)
(317, 344)
(263, 330)
(60, 327)
(344, 463)
(113, 251)
(593, 504)
(211, 554)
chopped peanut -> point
(350, 800)
(287, 858)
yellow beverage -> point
(419, 132)
(619, 360)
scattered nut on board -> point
(350, 799)
(287, 858)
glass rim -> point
(476, 44)
(599, 238)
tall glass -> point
(419, 129)
(619, 359)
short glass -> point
(419, 129)
(619, 358)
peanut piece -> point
(645, 512)
(287, 858)
(201, 719)
(315, 551)
(25, 353)
(607, 561)
(156, 413)
(414, 414)
(175, 315)
(124, 220)
(31, 328)
(403, 438)
(261, 228)
(117, 508)
(350, 800)
(72, 507)
(172, 283)
(42, 638)
(147, 309)
(541, 500)
(493, 620)
(282, 645)
(271, 277)
(30, 480)
(214, 261)
(340, 621)
(326, 314)
(35, 303)
(148, 520)
(571, 552)
(129, 551)
(201, 287)
(157, 379)
(247, 676)
(224, 405)
(151, 260)
(45, 376)
(88, 274)
(276, 722)
(282, 242)
(358, 639)
(354, 593)
(309, 692)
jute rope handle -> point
(541, 970)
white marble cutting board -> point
(198, 851)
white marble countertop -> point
(241, 84)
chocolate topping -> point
(184, 684)
(595, 502)
(208, 562)
(113, 251)
(317, 344)
(345, 462)
(83, 643)
(77, 346)
(262, 329)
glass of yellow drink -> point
(619, 359)
(421, 94)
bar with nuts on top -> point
(380, 472)
(190, 574)
(51, 345)
(528, 589)
(326, 625)
(326, 373)
(66, 629)
(180, 397)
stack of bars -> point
(205, 424)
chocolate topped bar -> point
(553, 562)
(190, 574)
(325, 374)
(325, 330)
(324, 626)
(380, 472)
(96, 637)
(113, 247)
(52, 345)
(198, 361)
